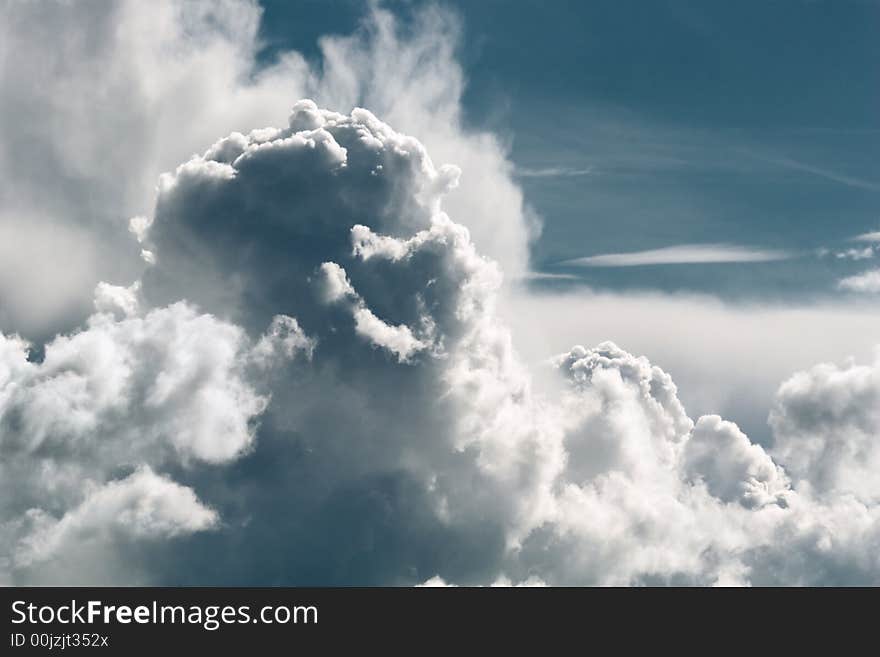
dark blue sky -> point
(646, 125)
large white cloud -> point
(84, 544)
(599, 476)
(732, 468)
(99, 99)
(390, 433)
(337, 218)
(164, 388)
(826, 423)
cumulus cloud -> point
(399, 340)
(825, 422)
(171, 387)
(732, 468)
(599, 477)
(410, 422)
(439, 582)
(125, 91)
(311, 382)
(116, 300)
(141, 507)
(128, 91)
(700, 340)
(174, 369)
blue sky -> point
(640, 126)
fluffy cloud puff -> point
(84, 544)
(337, 218)
(826, 423)
(171, 386)
(410, 443)
(434, 428)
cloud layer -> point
(310, 380)
(348, 333)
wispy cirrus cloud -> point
(553, 172)
(681, 254)
(822, 172)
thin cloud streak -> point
(541, 275)
(553, 172)
(681, 254)
(827, 174)
(867, 237)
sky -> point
(736, 143)
(386, 293)
(638, 127)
